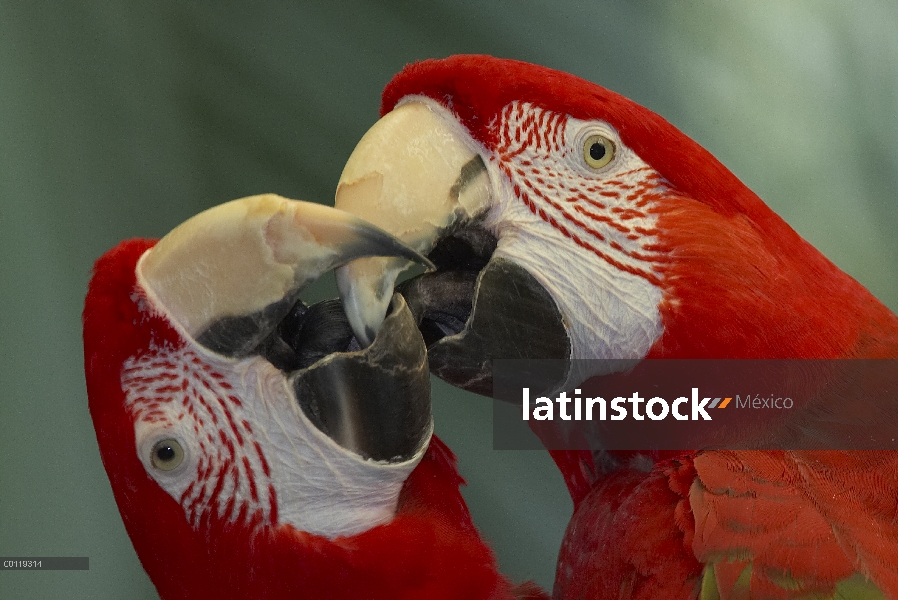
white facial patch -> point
(250, 453)
(587, 235)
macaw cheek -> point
(502, 312)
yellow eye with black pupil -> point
(598, 151)
(166, 455)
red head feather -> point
(431, 549)
(740, 282)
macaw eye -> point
(598, 151)
(166, 455)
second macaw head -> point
(569, 222)
(254, 450)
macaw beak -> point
(230, 279)
(420, 176)
(413, 175)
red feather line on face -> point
(531, 147)
(170, 386)
(476, 88)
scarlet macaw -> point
(254, 450)
(570, 222)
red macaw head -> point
(253, 449)
(570, 222)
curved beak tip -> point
(244, 262)
(408, 175)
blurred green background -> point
(123, 119)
